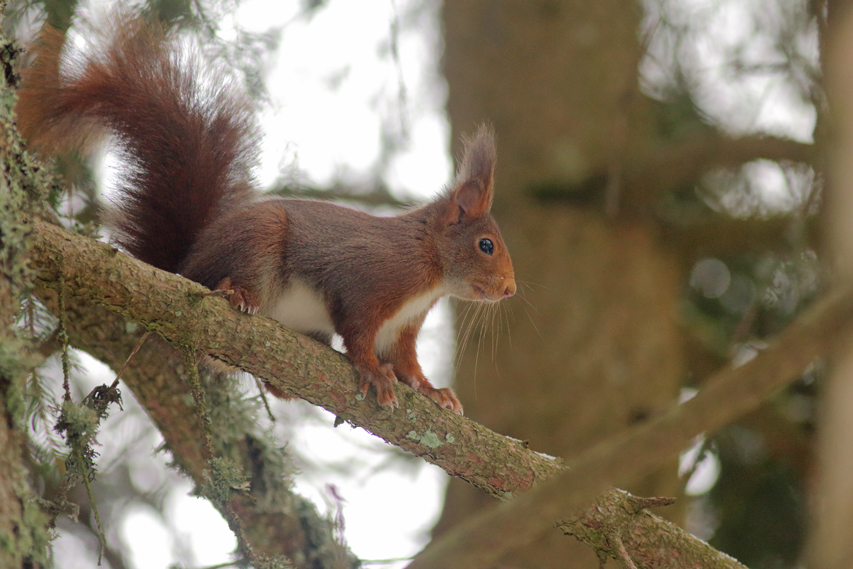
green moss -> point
(31, 541)
(196, 298)
(429, 439)
(79, 425)
(223, 476)
(277, 562)
(324, 550)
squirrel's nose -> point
(509, 288)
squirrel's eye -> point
(486, 246)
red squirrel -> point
(187, 204)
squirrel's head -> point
(476, 261)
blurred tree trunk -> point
(592, 346)
(830, 544)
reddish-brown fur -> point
(187, 205)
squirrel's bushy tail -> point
(187, 142)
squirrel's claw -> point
(240, 298)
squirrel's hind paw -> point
(382, 379)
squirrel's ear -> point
(473, 188)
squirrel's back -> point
(187, 140)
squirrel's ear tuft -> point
(473, 188)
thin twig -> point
(63, 340)
(144, 337)
(200, 403)
(264, 399)
(102, 539)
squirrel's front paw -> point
(241, 298)
(382, 379)
(444, 397)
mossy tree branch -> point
(176, 309)
(619, 526)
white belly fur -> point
(301, 308)
(408, 313)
